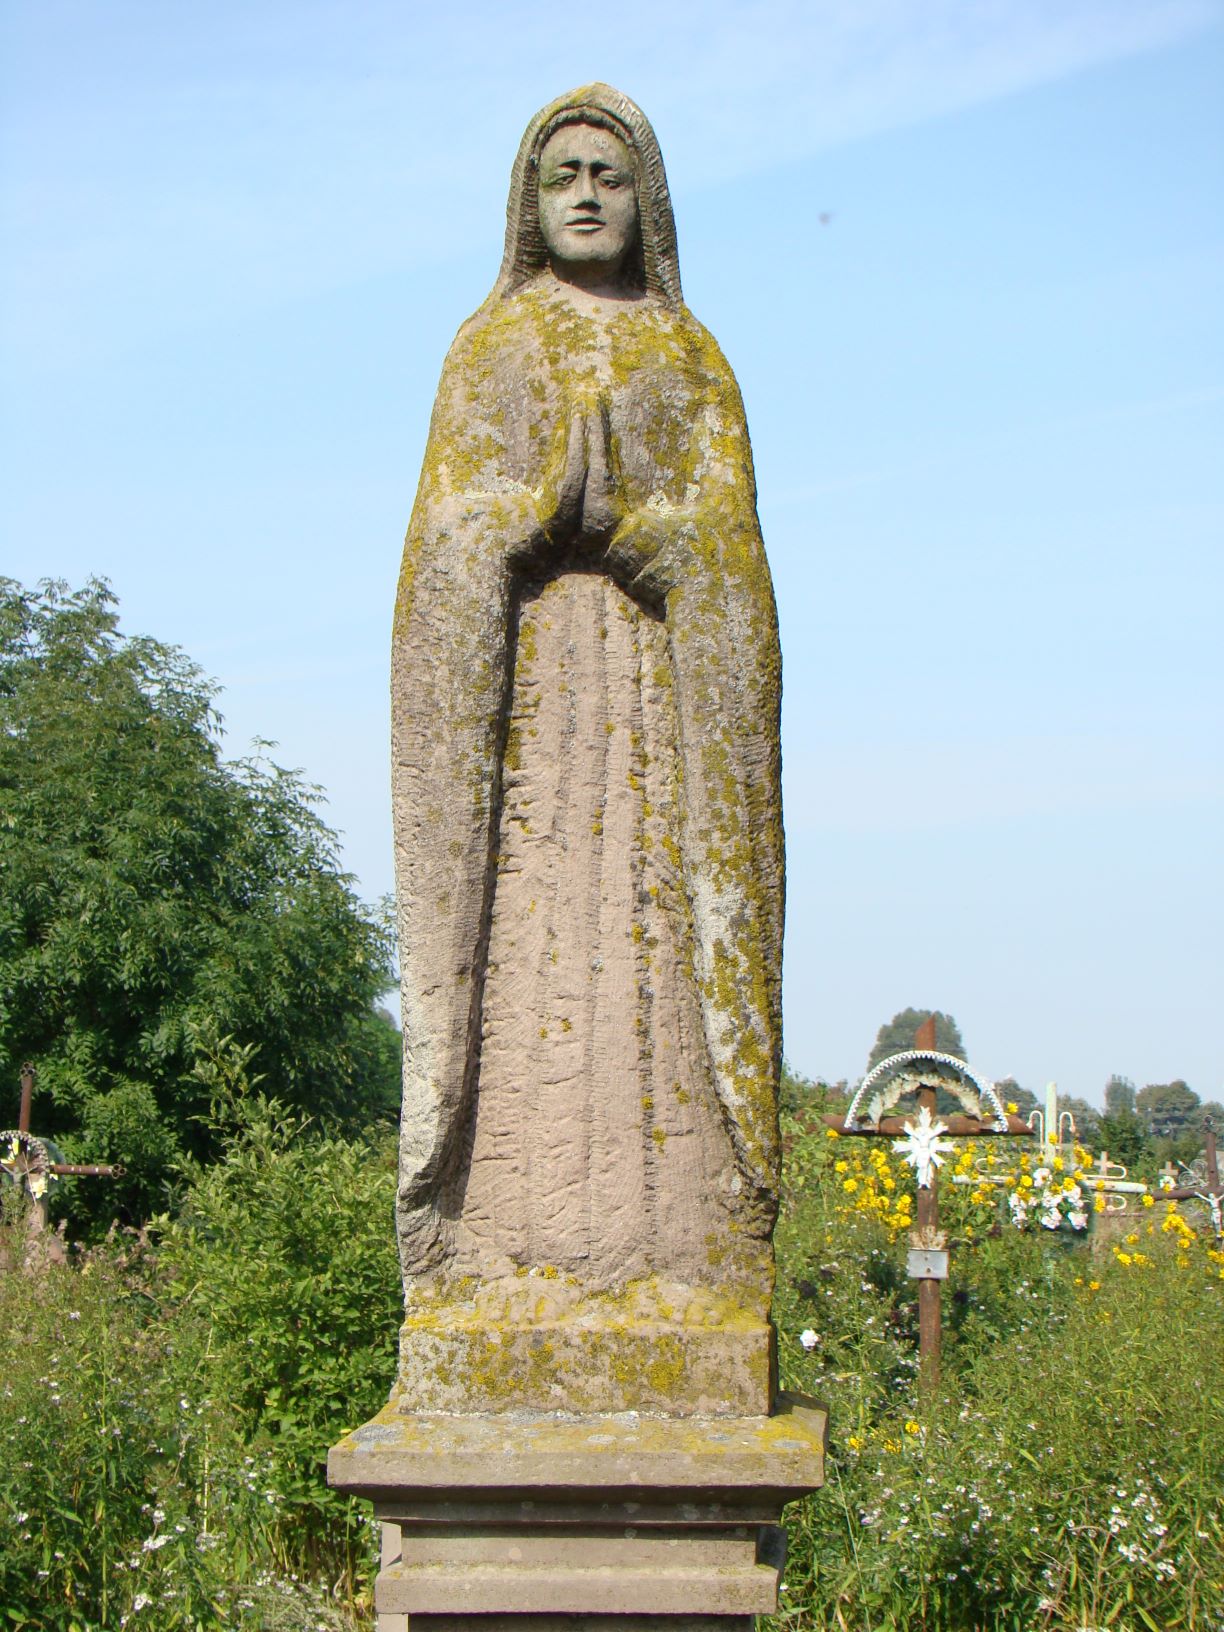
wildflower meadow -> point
(168, 1395)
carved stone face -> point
(587, 200)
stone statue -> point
(588, 827)
(584, 1425)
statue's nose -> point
(587, 198)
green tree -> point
(159, 902)
(898, 1035)
(1010, 1092)
(1124, 1136)
(799, 1094)
(1119, 1095)
(1168, 1109)
(1087, 1118)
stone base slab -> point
(456, 1366)
(548, 1522)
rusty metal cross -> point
(28, 1159)
(921, 1143)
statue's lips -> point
(584, 226)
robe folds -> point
(586, 772)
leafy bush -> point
(156, 895)
(125, 1485)
(1068, 1473)
(165, 1411)
(286, 1249)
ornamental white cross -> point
(922, 1146)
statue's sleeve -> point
(706, 561)
(449, 675)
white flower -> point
(922, 1147)
(809, 1338)
(1078, 1219)
(141, 1601)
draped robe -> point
(588, 470)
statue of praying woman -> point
(588, 824)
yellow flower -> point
(841, 1165)
(1132, 1239)
(1098, 1204)
(1094, 1286)
(1058, 1164)
(1026, 1182)
(1122, 1257)
(849, 1186)
(890, 1183)
(912, 1427)
(830, 1133)
(855, 1443)
(1012, 1108)
(1149, 1201)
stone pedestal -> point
(542, 1521)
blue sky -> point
(986, 400)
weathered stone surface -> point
(514, 1513)
(588, 832)
(596, 1456)
(587, 810)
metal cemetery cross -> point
(31, 1162)
(1210, 1191)
(922, 1071)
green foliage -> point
(165, 1414)
(898, 1035)
(121, 1470)
(286, 1248)
(1087, 1117)
(1124, 1136)
(1119, 1096)
(1067, 1476)
(1168, 1109)
(801, 1096)
(1024, 1099)
(158, 898)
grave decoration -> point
(1200, 1181)
(1056, 1199)
(922, 1136)
(34, 1164)
(589, 865)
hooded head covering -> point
(656, 266)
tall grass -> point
(167, 1401)
(1069, 1472)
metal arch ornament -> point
(888, 1082)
